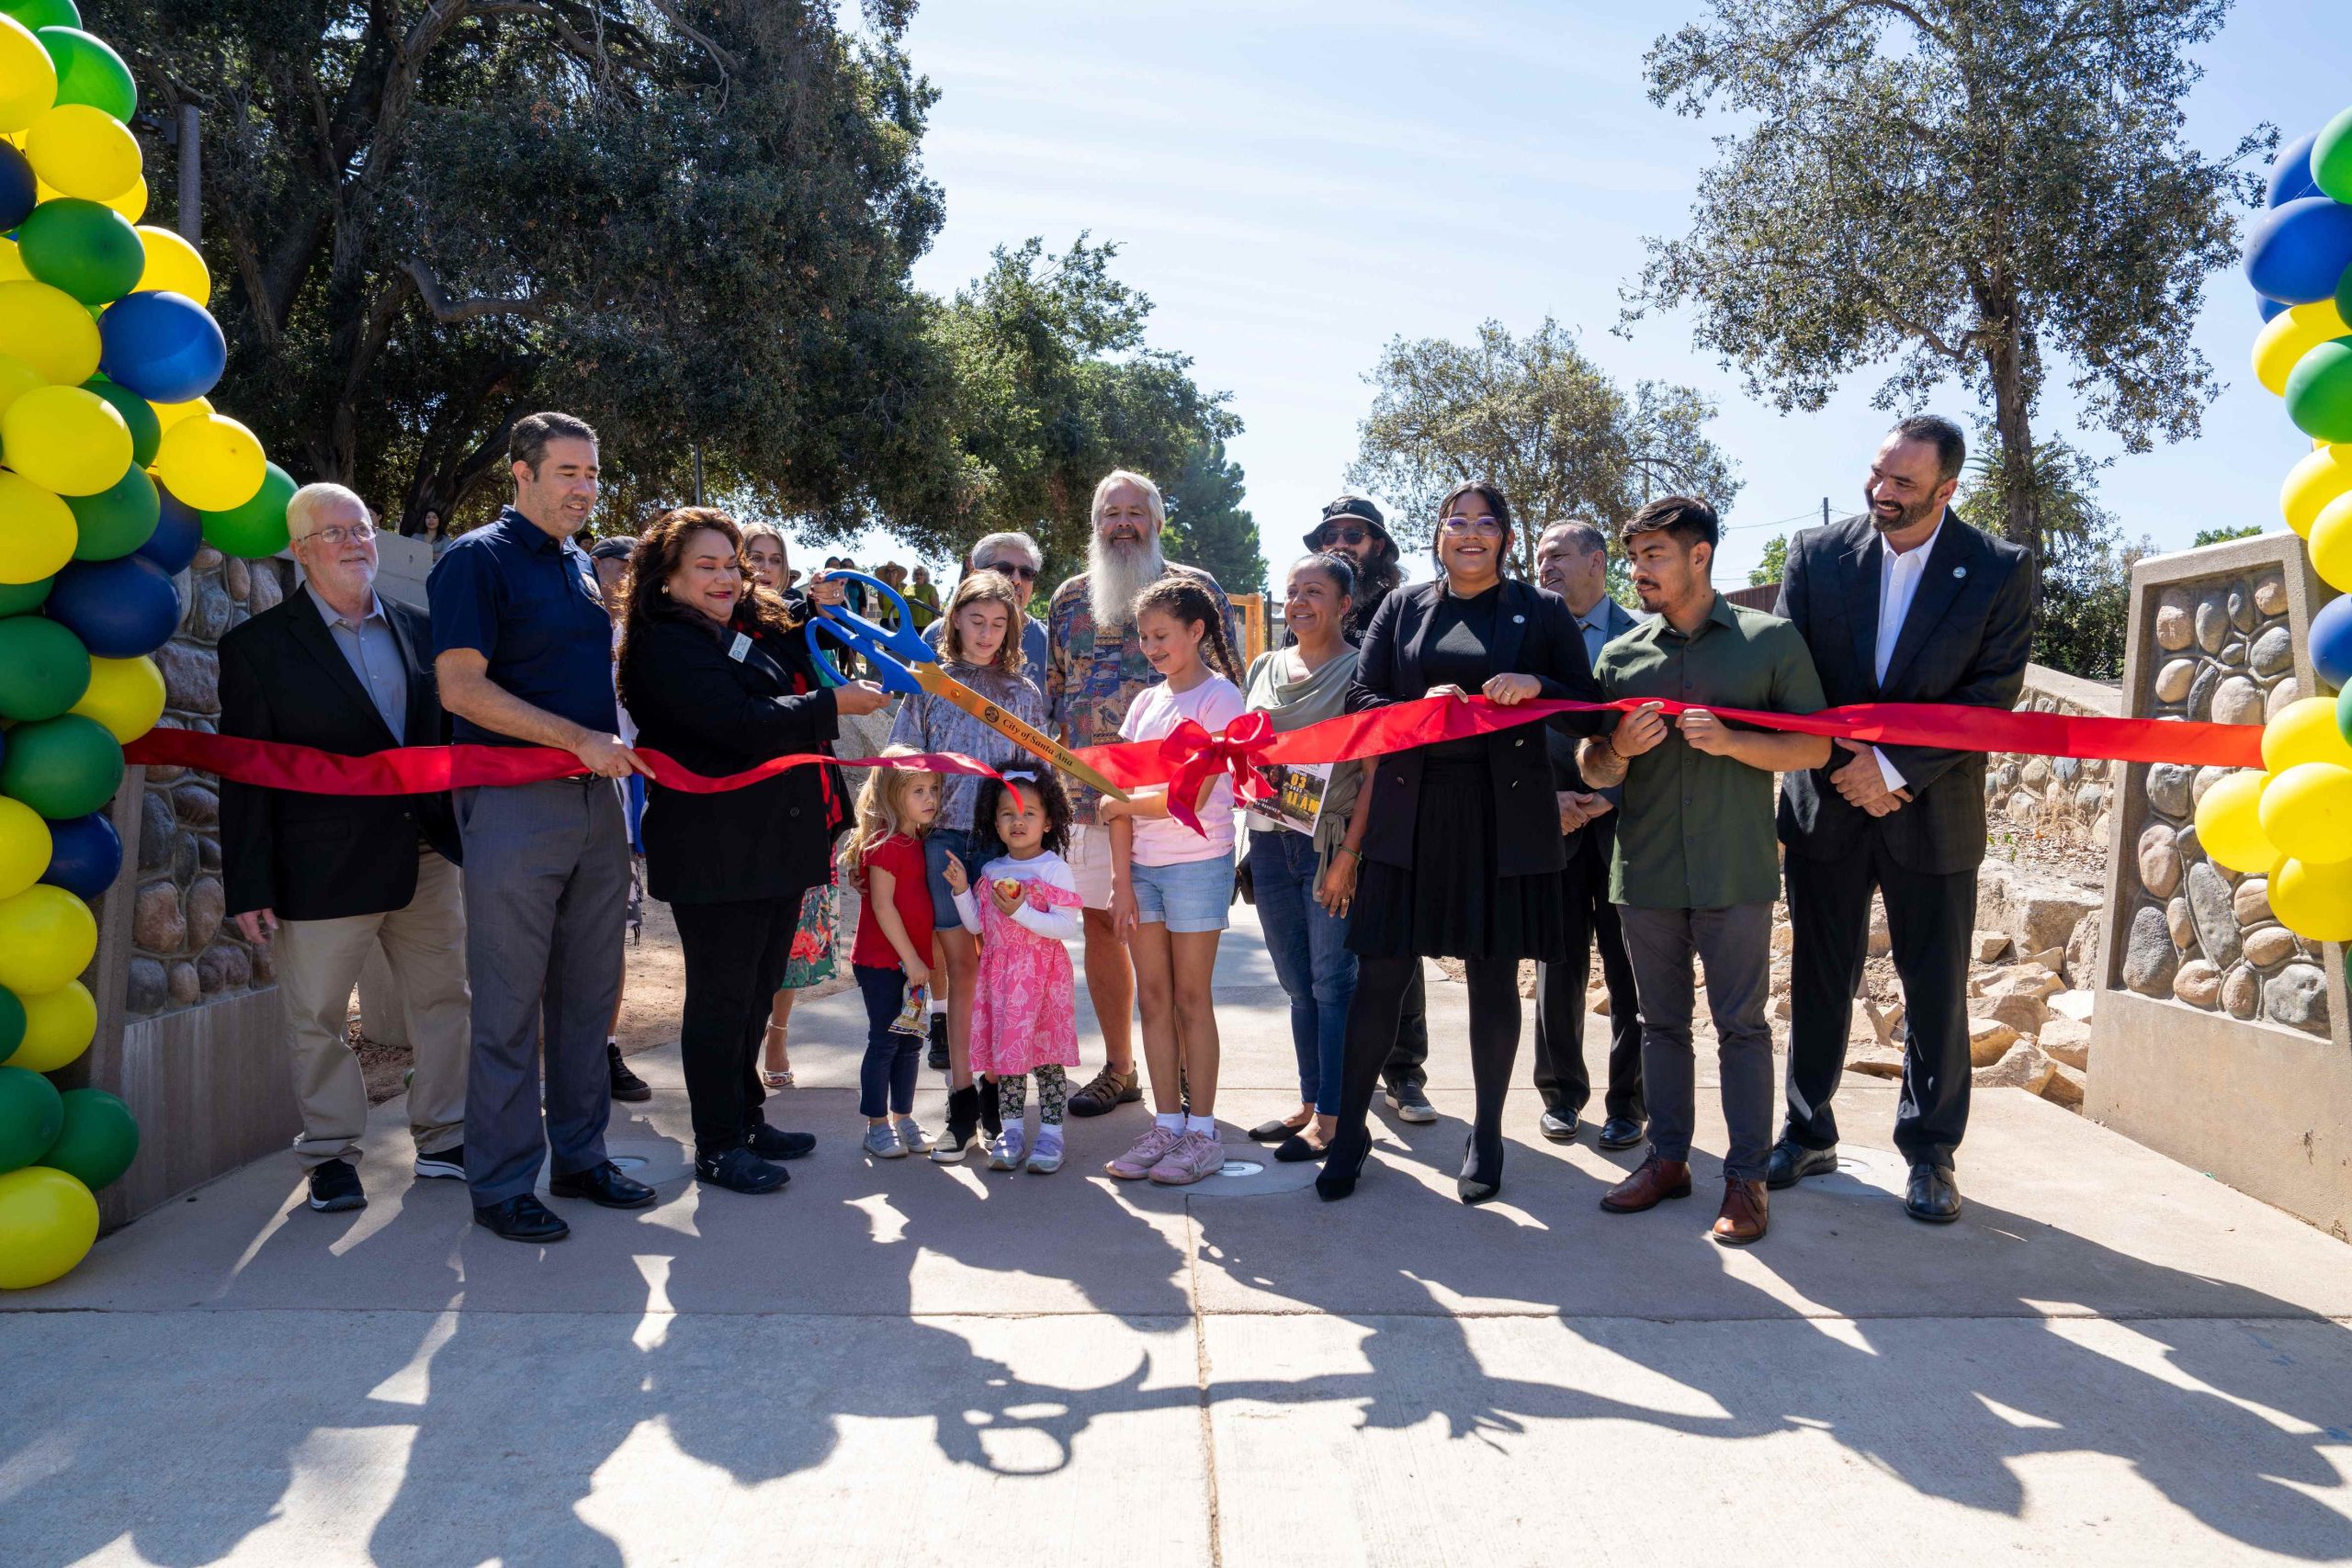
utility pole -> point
(191, 177)
(1824, 512)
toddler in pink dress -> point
(1024, 906)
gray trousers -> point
(547, 891)
(1735, 943)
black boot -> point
(938, 1057)
(963, 1117)
(991, 1121)
(627, 1085)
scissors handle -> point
(888, 651)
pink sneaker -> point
(1137, 1162)
(1195, 1155)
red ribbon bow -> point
(1196, 758)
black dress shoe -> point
(938, 1057)
(1342, 1164)
(1559, 1126)
(627, 1085)
(521, 1219)
(740, 1171)
(603, 1185)
(774, 1143)
(334, 1187)
(1934, 1194)
(1791, 1162)
(1620, 1133)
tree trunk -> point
(2020, 490)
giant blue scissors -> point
(902, 661)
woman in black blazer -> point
(715, 675)
(1463, 850)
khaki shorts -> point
(1089, 863)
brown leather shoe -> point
(1743, 1218)
(1656, 1180)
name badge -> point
(740, 646)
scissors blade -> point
(1035, 742)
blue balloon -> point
(2296, 253)
(173, 543)
(2272, 308)
(17, 190)
(85, 855)
(119, 609)
(2290, 171)
(167, 347)
(2331, 642)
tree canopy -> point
(1207, 525)
(1989, 190)
(1537, 416)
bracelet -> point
(1358, 853)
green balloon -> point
(16, 598)
(117, 520)
(2319, 392)
(44, 668)
(90, 250)
(66, 766)
(2331, 157)
(89, 71)
(98, 1141)
(12, 1023)
(258, 527)
(31, 1115)
(146, 430)
(39, 14)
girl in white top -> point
(1171, 886)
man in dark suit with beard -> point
(1906, 603)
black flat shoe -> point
(1620, 1133)
(1481, 1180)
(1790, 1163)
(627, 1085)
(1934, 1195)
(521, 1219)
(774, 1143)
(740, 1171)
(1341, 1167)
(603, 1185)
(1274, 1132)
(1296, 1150)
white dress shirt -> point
(1898, 584)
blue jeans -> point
(886, 1078)
(1310, 947)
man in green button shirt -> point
(1697, 865)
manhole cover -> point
(629, 1162)
(1240, 1168)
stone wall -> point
(184, 951)
(2063, 800)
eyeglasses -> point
(1345, 536)
(1024, 570)
(1484, 527)
(336, 535)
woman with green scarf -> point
(1303, 853)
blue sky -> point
(1294, 184)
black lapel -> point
(1423, 605)
(310, 631)
(1946, 575)
(1511, 609)
(1860, 589)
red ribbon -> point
(1195, 757)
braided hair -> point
(1187, 601)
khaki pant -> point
(318, 964)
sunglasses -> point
(1345, 536)
(1022, 571)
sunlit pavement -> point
(2110, 1359)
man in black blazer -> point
(326, 878)
(1906, 603)
(1572, 560)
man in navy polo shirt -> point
(523, 651)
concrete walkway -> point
(2110, 1359)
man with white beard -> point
(1094, 667)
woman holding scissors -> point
(982, 649)
(712, 681)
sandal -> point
(776, 1077)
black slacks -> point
(1930, 917)
(1560, 1074)
(735, 954)
(1380, 987)
(1409, 1059)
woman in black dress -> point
(716, 675)
(1463, 853)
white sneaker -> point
(882, 1142)
(911, 1134)
(1047, 1157)
(1006, 1149)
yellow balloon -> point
(17, 379)
(12, 264)
(212, 463)
(48, 330)
(173, 265)
(65, 439)
(131, 203)
(2290, 334)
(84, 152)
(2307, 812)
(2313, 900)
(2305, 731)
(24, 847)
(126, 697)
(37, 531)
(58, 1026)
(27, 76)
(2330, 539)
(2229, 823)
(47, 937)
(170, 414)
(2319, 479)
(49, 1222)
